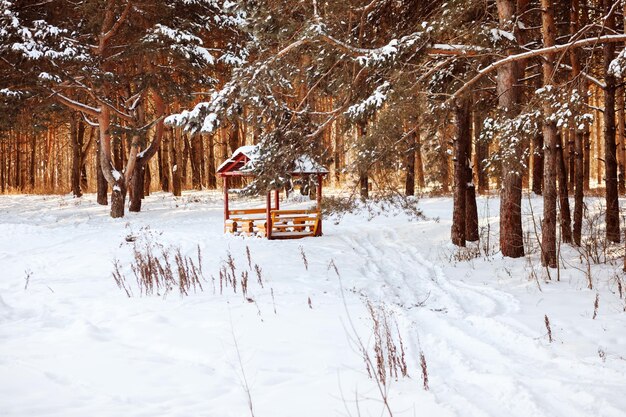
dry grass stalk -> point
(304, 259)
(249, 256)
(424, 371)
(547, 322)
(244, 283)
(158, 270)
(596, 305)
(389, 355)
(259, 274)
(273, 300)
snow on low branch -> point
(616, 67)
(182, 42)
(374, 57)
(205, 117)
(370, 104)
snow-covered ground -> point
(73, 344)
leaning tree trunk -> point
(137, 176)
(566, 219)
(461, 137)
(610, 160)
(548, 234)
(102, 186)
(113, 177)
(511, 234)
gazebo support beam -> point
(268, 214)
(276, 199)
(319, 203)
(226, 216)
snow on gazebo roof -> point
(243, 159)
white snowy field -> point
(73, 344)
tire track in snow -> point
(481, 362)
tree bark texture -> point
(461, 137)
(511, 234)
(566, 219)
(548, 230)
(610, 159)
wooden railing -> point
(286, 224)
(246, 221)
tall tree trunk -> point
(610, 160)
(482, 155)
(135, 187)
(409, 183)
(164, 162)
(102, 186)
(211, 174)
(537, 174)
(471, 209)
(579, 135)
(444, 167)
(84, 186)
(185, 146)
(3, 166)
(33, 161)
(196, 162)
(578, 188)
(620, 139)
(586, 158)
(176, 158)
(566, 220)
(147, 180)
(548, 230)
(23, 171)
(76, 130)
(363, 175)
(571, 159)
(337, 153)
(461, 138)
(419, 163)
(511, 234)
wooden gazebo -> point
(271, 221)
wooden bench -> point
(293, 224)
(246, 221)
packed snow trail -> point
(480, 361)
(72, 344)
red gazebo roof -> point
(243, 159)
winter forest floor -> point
(73, 344)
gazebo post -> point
(276, 199)
(319, 204)
(268, 214)
(225, 197)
